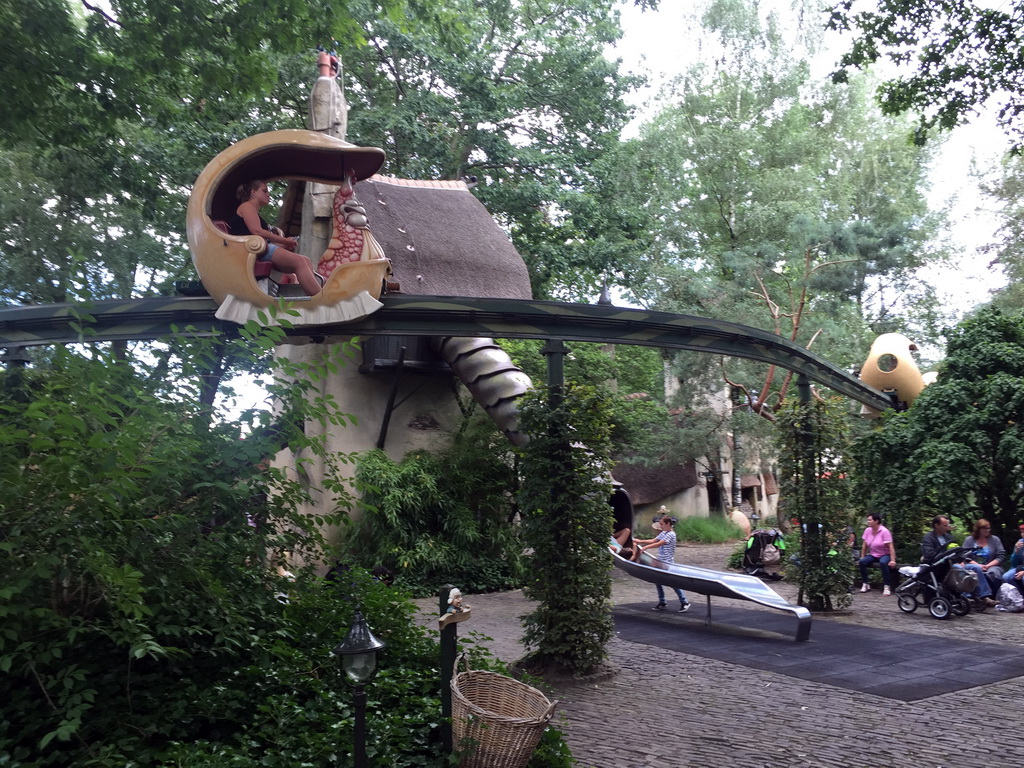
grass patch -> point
(707, 530)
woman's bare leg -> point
(300, 266)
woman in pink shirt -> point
(877, 548)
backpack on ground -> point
(770, 555)
(1010, 599)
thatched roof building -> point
(649, 485)
(439, 237)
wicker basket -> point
(496, 721)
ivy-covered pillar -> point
(555, 351)
(567, 522)
(810, 521)
(813, 444)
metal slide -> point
(704, 581)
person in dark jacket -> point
(935, 543)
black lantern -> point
(359, 660)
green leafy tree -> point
(953, 59)
(567, 524)
(783, 203)
(786, 204)
(958, 450)
(1007, 191)
(145, 621)
(106, 148)
(112, 111)
(79, 72)
(105, 219)
(520, 96)
(632, 377)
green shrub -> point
(707, 530)
(144, 623)
(552, 751)
(442, 517)
(735, 560)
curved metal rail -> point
(439, 316)
(713, 584)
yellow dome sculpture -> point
(891, 368)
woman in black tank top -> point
(252, 196)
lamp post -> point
(754, 519)
(359, 660)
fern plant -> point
(436, 518)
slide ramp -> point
(704, 581)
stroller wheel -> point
(940, 608)
(907, 603)
(961, 606)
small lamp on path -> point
(358, 655)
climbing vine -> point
(813, 444)
(567, 523)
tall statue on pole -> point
(328, 114)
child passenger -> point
(666, 544)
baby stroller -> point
(764, 548)
(939, 586)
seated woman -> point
(878, 548)
(253, 195)
(987, 560)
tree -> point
(145, 617)
(79, 72)
(632, 379)
(1007, 191)
(826, 197)
(958, 451)
(785, 204)
(960, 56)
(520, 96)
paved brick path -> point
(691, 711)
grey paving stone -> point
(718, 713)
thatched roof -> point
(771, 486)
(439, 237)
(441, 240)
(647, 485)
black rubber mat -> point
(883, 662)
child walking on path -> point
(666, 544)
